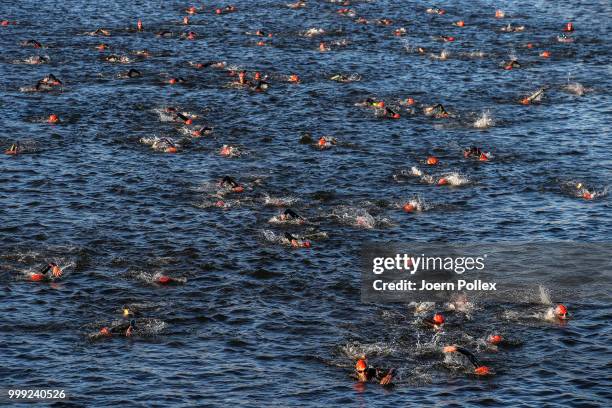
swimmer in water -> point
(364, 373)
(164, 34)
(41, 275)
(479, 369)
(124, 328)
(436, 111)
(436, 322)
(133, 73)
(476, 152)
(389, 113)
(435, 10)
(511, 65)
(229, 182)
(15, 149)
(289, 215)
(31, 43)
(325, 142)
(296, 242)
(101, 31)
(534, 97)
(558, 312)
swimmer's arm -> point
(470, 356)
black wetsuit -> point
(227, 180)
(122, 327)
(134, 73)
(291, 215)
(47, 268)
(470, 356)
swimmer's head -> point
(432, 160)
(442, 182)
(438, 319)
(294, 78)
(306, 244)
(410, 101)
(139, 25)
(53, 118)
(408, 207)
(495, 339)
(561, 312)
(569, 27)
(545, 54)
(587, 196)
(482, 370)
(361, 366)
(105, 331)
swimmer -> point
(437, 111)
(101, 31)
(436, 322)
(326, 143)
(231, 184)
(476, 152)
(190, 35)
(14, 150)
(37, 59)
(510, 29)
(177, 80)
(31, 43)
(534, 97)
(389, 113)
(569, 27)
(324, 47)
(344, 78)
(289, 215)
(41, 275)
(297, 5)
(124, 328)
(295, 241)
(164, 280)
(511, 65)
(164, 34)
(558, 312)
(563, 38)
(400, 32)
(435, 10)
(47, 83)
(479, 369)
(202, 131)
(582, 191)
(139, 26)
(364, 374)
(133, 73)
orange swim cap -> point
(294, 78)
(171, 149)
(238, 189)
(525, 101)
(410, 101)
(495, 339)
(361, 365)
(587, 196)
(499, 14)
(37, 277)
(561, 311)
(261, 43)
(102, 47)
(53, 118)
(105, 331)
(432, 160)
(529, 45)
(5, 23)
(545, 54)
(460, 23)
(172, 81)
(482, 370)
(322, 142)
(438, 319)
(189, 121)
(408, 207)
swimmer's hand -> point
(56, 271)
(387, 379)
(449, 349)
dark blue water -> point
(257, 322)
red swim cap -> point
(361, 365)
(172, 81)
(438, 319)
(482, 370)
(37, 277)
(545, 54)
(306, 244)
(587, 196)
(238, 189)
(495, 339)
(189, 121)
(53, 118)
(442, 182)
(396, 116)
(105, 331)
(5, 23)
(163, 279)
(218, 11)
(561, 311)
(569, 27)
